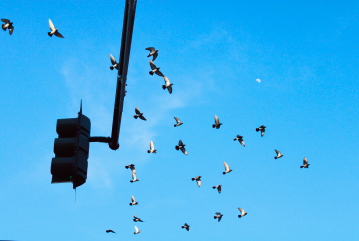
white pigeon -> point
(152, 52)
(152, 148)
(305, 163)
(240, 139)
(219, 216)
(178, 122)
(132, 167)
(7, 25)
(168, 85)
(54, 30)
(134, 179)
(139, 114)
(278, 154)
(186, 226)
(219, 187)
(181, 146)
(262, 129)
(242, 213)
(198, 179)
(114, 63)
(137, 230)
(216, 120)
(155, 70)
(227, 168)
(133, 201)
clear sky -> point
(305, 54)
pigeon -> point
(198, 179)
(8, 25)
(168, 85)
(114, 63)
(242, 213)
(305, 163)
(178, 122)
(139, 114)
(133, 201)
(110, 231)
(219, 187)
(219, 216)
(186, 226)
(132, 167)
(262, 129)
(217, 125)
(181, 146)
(134, 179)
(54, 31)
(136, 219)
(137, 231)
(152, 52)
(278, 154)
(227, 168)
(152, 148)
(240, 139)
(155, 70)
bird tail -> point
(257, 129)
(50, 34)
(177, 148)
(308, 165)
(213, 125)
(155, 151)
(111, 67)
(151, 73)
(163, 87)
(3, 27)
(234, 139)
(135, 116)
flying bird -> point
(152, 148)
(133, 201)
(132, 167)
(136, 219)
(186, 226)
(217, 125)
(181, 146)
(240, 139)
(219, 216)
(258, 80)
(198, 179)
(114, 63)
(139, 114)
(54, 30)
(8, 25)
(278, 154)
(219, 187)
(134, 179)
(137, 231)
(155, 70)
(227, 168)
(178, 122)
(110, 231)
(152, 52)
(168, 85)
(305, 163)
(262, 129)
(242, 213)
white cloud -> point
(258, 80)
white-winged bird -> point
(137, 231)
(186, 226)
(133, 201)
(178, 122)
(168, 85)
(110, 231)
(152, 52)
(155, 70)
(219, 216)
(240, 139)
(8, 25)
(54, 30)
(278, 154)
(113, 62)
(216, 120)
(227, 168)
(198, 179)
(134, 178)
(305, 163)
(219, 187)
(132, 167)
(262, 129)
(152, 148)
(242, 213)
(136, 219)
(139, 114)
(181, 146)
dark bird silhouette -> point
(242, 213)
(155, 70)
(240, 139)
(305, 163)
(198, 179)
(132, 167)
(178, 122)
(7, 25)
(136, 219)
(219, 187)
(186, 226)
(219, 216)
(181, 146)
(262, 129)
(54, 30)
(153, 53)
(110, 231)
(139, 114)
(216, 120)
(278, 154)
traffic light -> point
(71, 150)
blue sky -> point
(305, 54)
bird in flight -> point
(134, 179)
(198, 179)
(262, 129)
(133, 201)
(54, 30)
(186, 226)
(216, 120)
(7, 25)
(278, 154)
(152, 148)
(110, 231)
(155, 70)
(181, 146)
(132, 167)
(168, 85)
(243, 213)
(136, 219)
(152, 52)
(137, 231)
(178, 122)
(113, 62)
(219, 187)
(219, 216)
(227, 168)
(305, 163)
(240, 139)
(139, 114)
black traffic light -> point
(71, 150)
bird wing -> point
(216, 119)
(218, 213)
(5, 20)
(133, 169)
(133, 176)
(142, 117)
(58, 34)
(155, 56)
(11, 29)
(136, 229)
(305, 162)
(113, 60)
(220, 217)
(178, 120)
(219, 189)
(242, 143)
(262, 132)
(133, 199)
(52, 27)
(180, 143)
(242, 211)
(198, 182)
(152, 147)
(169, 89)
(159, 73)
(150, 49)
(226, 166)
(153, 66)
(278, 153)
(137, 111)
(167, 81)
(184, 150)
